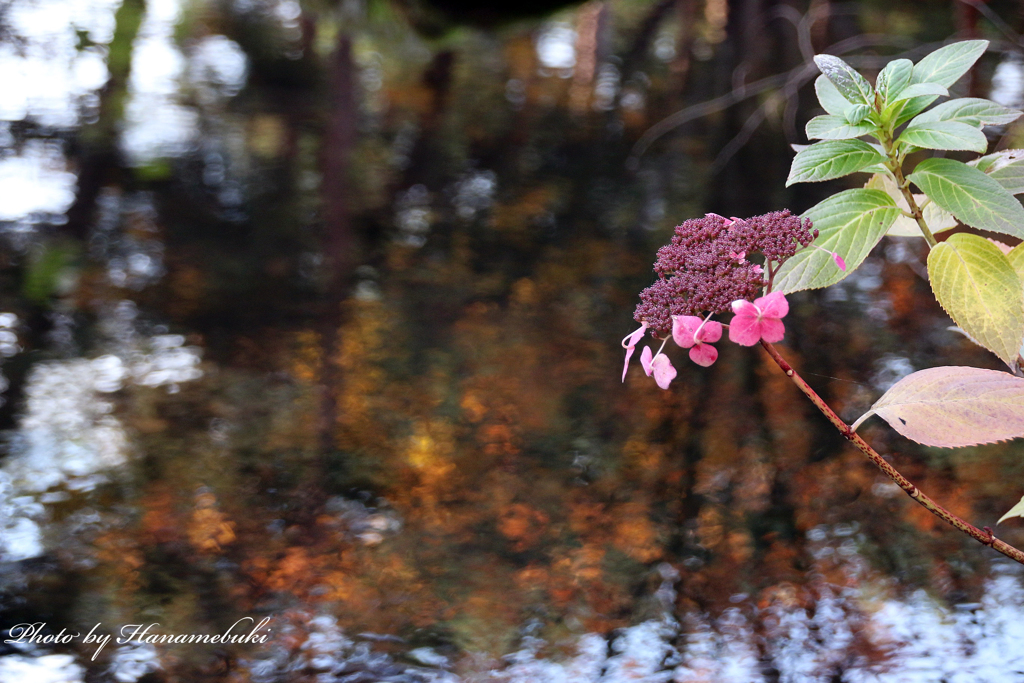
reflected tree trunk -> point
(96, 147)
(339, 243)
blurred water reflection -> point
(312, 312)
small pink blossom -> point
(691, 332)
(659, 366)
(759, 320)
(629, 343)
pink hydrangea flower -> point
(759, 320)
(659, 366)
(696, 334)
(629, 343)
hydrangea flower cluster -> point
(704, 271)
(705, 268)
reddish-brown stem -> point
(982, 536)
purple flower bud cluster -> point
(704, 268)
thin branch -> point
(984, 536)
(995, 20)
(797, 76)
(751, 125)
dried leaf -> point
(954, 406)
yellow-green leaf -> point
(1016, 257)
(977, 286)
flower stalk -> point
(984, 536)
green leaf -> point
(849, 223)
(835, 128)
(938, 219)
(977, 286)
(894, 78)
(946, 65)
(1016, 511)
(832, 159)
(1006, 168)
(850, 84)
(973, 111)
(952, 407)
(983, 163)
(950, 135)
(913, 107)
(921, 90)
(857, 113)
(829, 98)
(970, 195)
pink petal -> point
(839, 261)
(704, 354)
(683, 328)
(645, 359)
(625, 366)
(628, 343)
(711, 332)
(664, 373)
(634, 336)
(744, 308)
(745, 330)
(773, 306)
(772, 330)
(757, 269)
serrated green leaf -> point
(921, 90)
(857, 113)
(832, 159)
(983, 163)
(1006, 168)
(970, 195)
(946, 65)
(894, 78)
(1016, 511)
(952, 407)
(973, 111)
(938, 219)
(849, 223)
(829, 98)
(949, 135)
(913, 107)
(977, 286)
(830, 127)
(850, 84)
